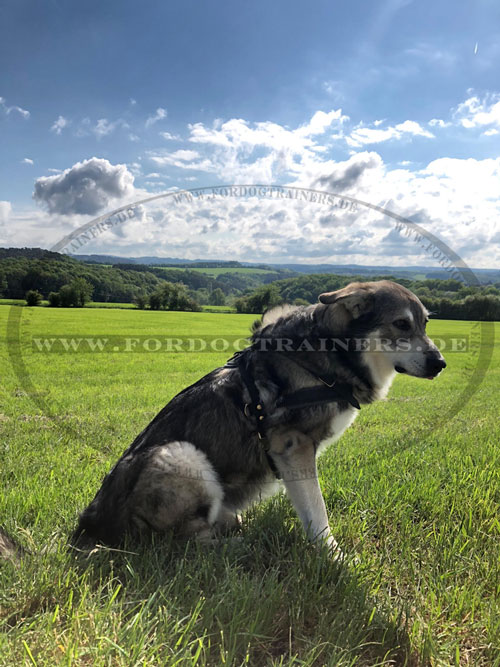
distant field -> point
(112, 305)
(416, 498)
(219, 271)
(218, 309)
(13, 302)
(109, 304)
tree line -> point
(37, 274)
(445, 299)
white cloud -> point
(477, 113)
(439, 122)
(103, 127)
(183, 159)
(458, 200)
(491, 132)
(160, 114)
(59, 125)
(168, 136)
(319, 122)
(250, 152)
(27, 160)
(84, 189)
(366, 135)
(13, 109)
(5, 211)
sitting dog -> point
(225, 441)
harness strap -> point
(310, 396)
(328, 392)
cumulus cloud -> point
(241, 151)
(453, 198)
(477, 113)
(5, 211)
(59, 125)
(27, 160)
(13, 109)
(366, 135)
(346, 175)
(85, 188)
(160, 114)
(439, 122)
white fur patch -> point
(275, 313)
(339, 424)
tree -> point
(172, 296)
(33, 298)
(82, 290)
(218, 297)
(54, 299)
(3, 284)
(155, 301)
(141, 301)
(76, 294)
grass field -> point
(413, 493)
(219, 270)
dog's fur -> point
(200, 460)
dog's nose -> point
(434, 366)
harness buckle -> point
(327, 383)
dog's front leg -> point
(295, 457)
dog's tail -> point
(107, 518)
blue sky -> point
(103, 102)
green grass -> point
(218, 309)
(109, 304)
(415, 496)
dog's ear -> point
(355, 298)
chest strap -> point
(302, 398)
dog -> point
(260, 421)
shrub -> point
(33, 298)
(54, 299)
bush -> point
(54, 299)
(33, 298)
(260, 300)
(76, 294)
(172, 296)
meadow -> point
(218, 271)
(412, 491)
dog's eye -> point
(403, 325)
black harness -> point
(330, 391)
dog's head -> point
(389, 321)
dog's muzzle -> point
(433, 366)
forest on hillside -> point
(24, 270)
